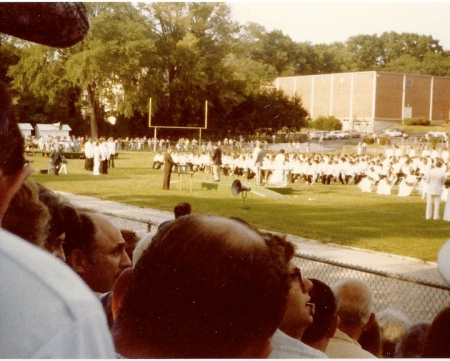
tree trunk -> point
(93, 104)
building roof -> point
(51, 127)
(25, 126)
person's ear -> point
(9, 185)
(78, 261)
(120, 286)
(371, 321)
(260, 349)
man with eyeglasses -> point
(298, 315)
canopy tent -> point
(54, 130)
(26, 129)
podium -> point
(183, 169)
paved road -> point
(405, 266)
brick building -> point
(371, 100)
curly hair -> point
(27, 216)
(61, 211)
(12, 143)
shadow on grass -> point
(387, 228)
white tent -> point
(26, 129)
(52, 130)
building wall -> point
(303, 88)
(389, 96)
(417, 95)
(341, 95)
(361, 98)
(321, 94)
(441, 98)
(347, 96)
(363, 95)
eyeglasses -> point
(297, 274)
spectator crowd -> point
(203, 286)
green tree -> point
(272, 48)
(193, 39)
(417, 46)
(111, 67)
(115, 64)
(267, 112)
(9, 55)
(326, 123)
(366, 50)
(332, 58)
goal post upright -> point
(150, 123)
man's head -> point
(206, 287)
(182, 209)
(393, 324)
(355, 305)
(131, 240)
(325, 319)
(27, 216)
(95, 249)
(11, 139)
(299, 312)
(62, 213)
(12, 161)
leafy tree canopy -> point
(183, 54)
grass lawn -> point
(330, 214)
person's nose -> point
(125, 261)
(308, 285)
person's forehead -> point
(107, 234)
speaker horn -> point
(237, 188)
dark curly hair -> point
(27, 216)
(11, 140)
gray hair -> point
(355, 301)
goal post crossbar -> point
(155, 127)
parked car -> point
(338, 134)
(395, 133)
(355, 134)
(437, 135)
(318, 135)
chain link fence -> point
(419, 300)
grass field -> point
(330, 214)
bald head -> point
(355, 301)
(207, 286)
